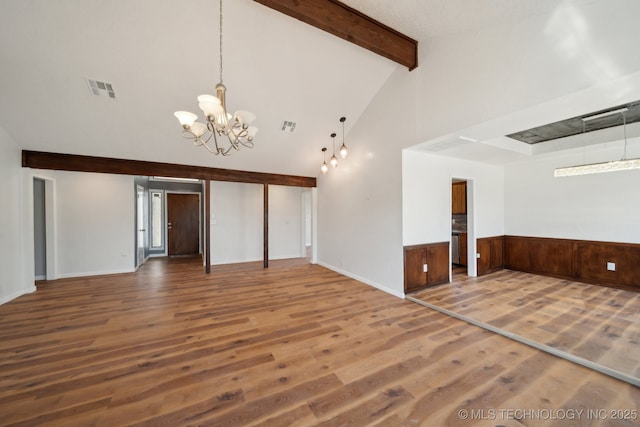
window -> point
(157, 211)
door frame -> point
(166, 219)
(142, 235)
(50, 224)
(472, 265)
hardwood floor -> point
(595, 323)
(296, 344)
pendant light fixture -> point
(612, 166)
(343, 148)
(221, 133)
(324, 168)
(334, 160)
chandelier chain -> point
(218, 124)
(221, 41)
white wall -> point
(237, 222)
(15, 276)
(360, 202)
(426, 197)
(604, 207)
(236, 216)
(95, 216)
(285, 222)
(469, 78)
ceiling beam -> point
(77, 163)
(349, 24)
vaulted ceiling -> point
(160, 55)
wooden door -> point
(459, 198)
(183, 226)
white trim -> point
(237, 261)
(95, 273)
(363, 280)
(17, 294)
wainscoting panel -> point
(435, 255)
(593, 259)
(540, 255)
(491, 250)
(605, 263)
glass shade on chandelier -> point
(221, 132)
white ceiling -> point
(161, 54)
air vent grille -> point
(288, 126)
(99, 88)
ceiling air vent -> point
(99, 88)
(288, 126)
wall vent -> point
(99, 88)
(288, 126)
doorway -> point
(183, 224)
(306, 224)
(44, 235)
(141, 225)
(463, 241)
(39, 229)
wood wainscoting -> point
(491, 250)
(580, 260)
(435, 256)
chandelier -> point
(222, 132)
(334, 159)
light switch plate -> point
(425, 268)
(611, 266)
(478, 255)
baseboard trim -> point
(17, 294)
(362, 279)
(95, 273)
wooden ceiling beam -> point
(77, 163)
(349, 24)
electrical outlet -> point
(425, 268)
(611, 266)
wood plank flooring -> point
(294, 345)
(596, 323)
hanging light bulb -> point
(324, 168)
(343, 148)
(334, 160)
